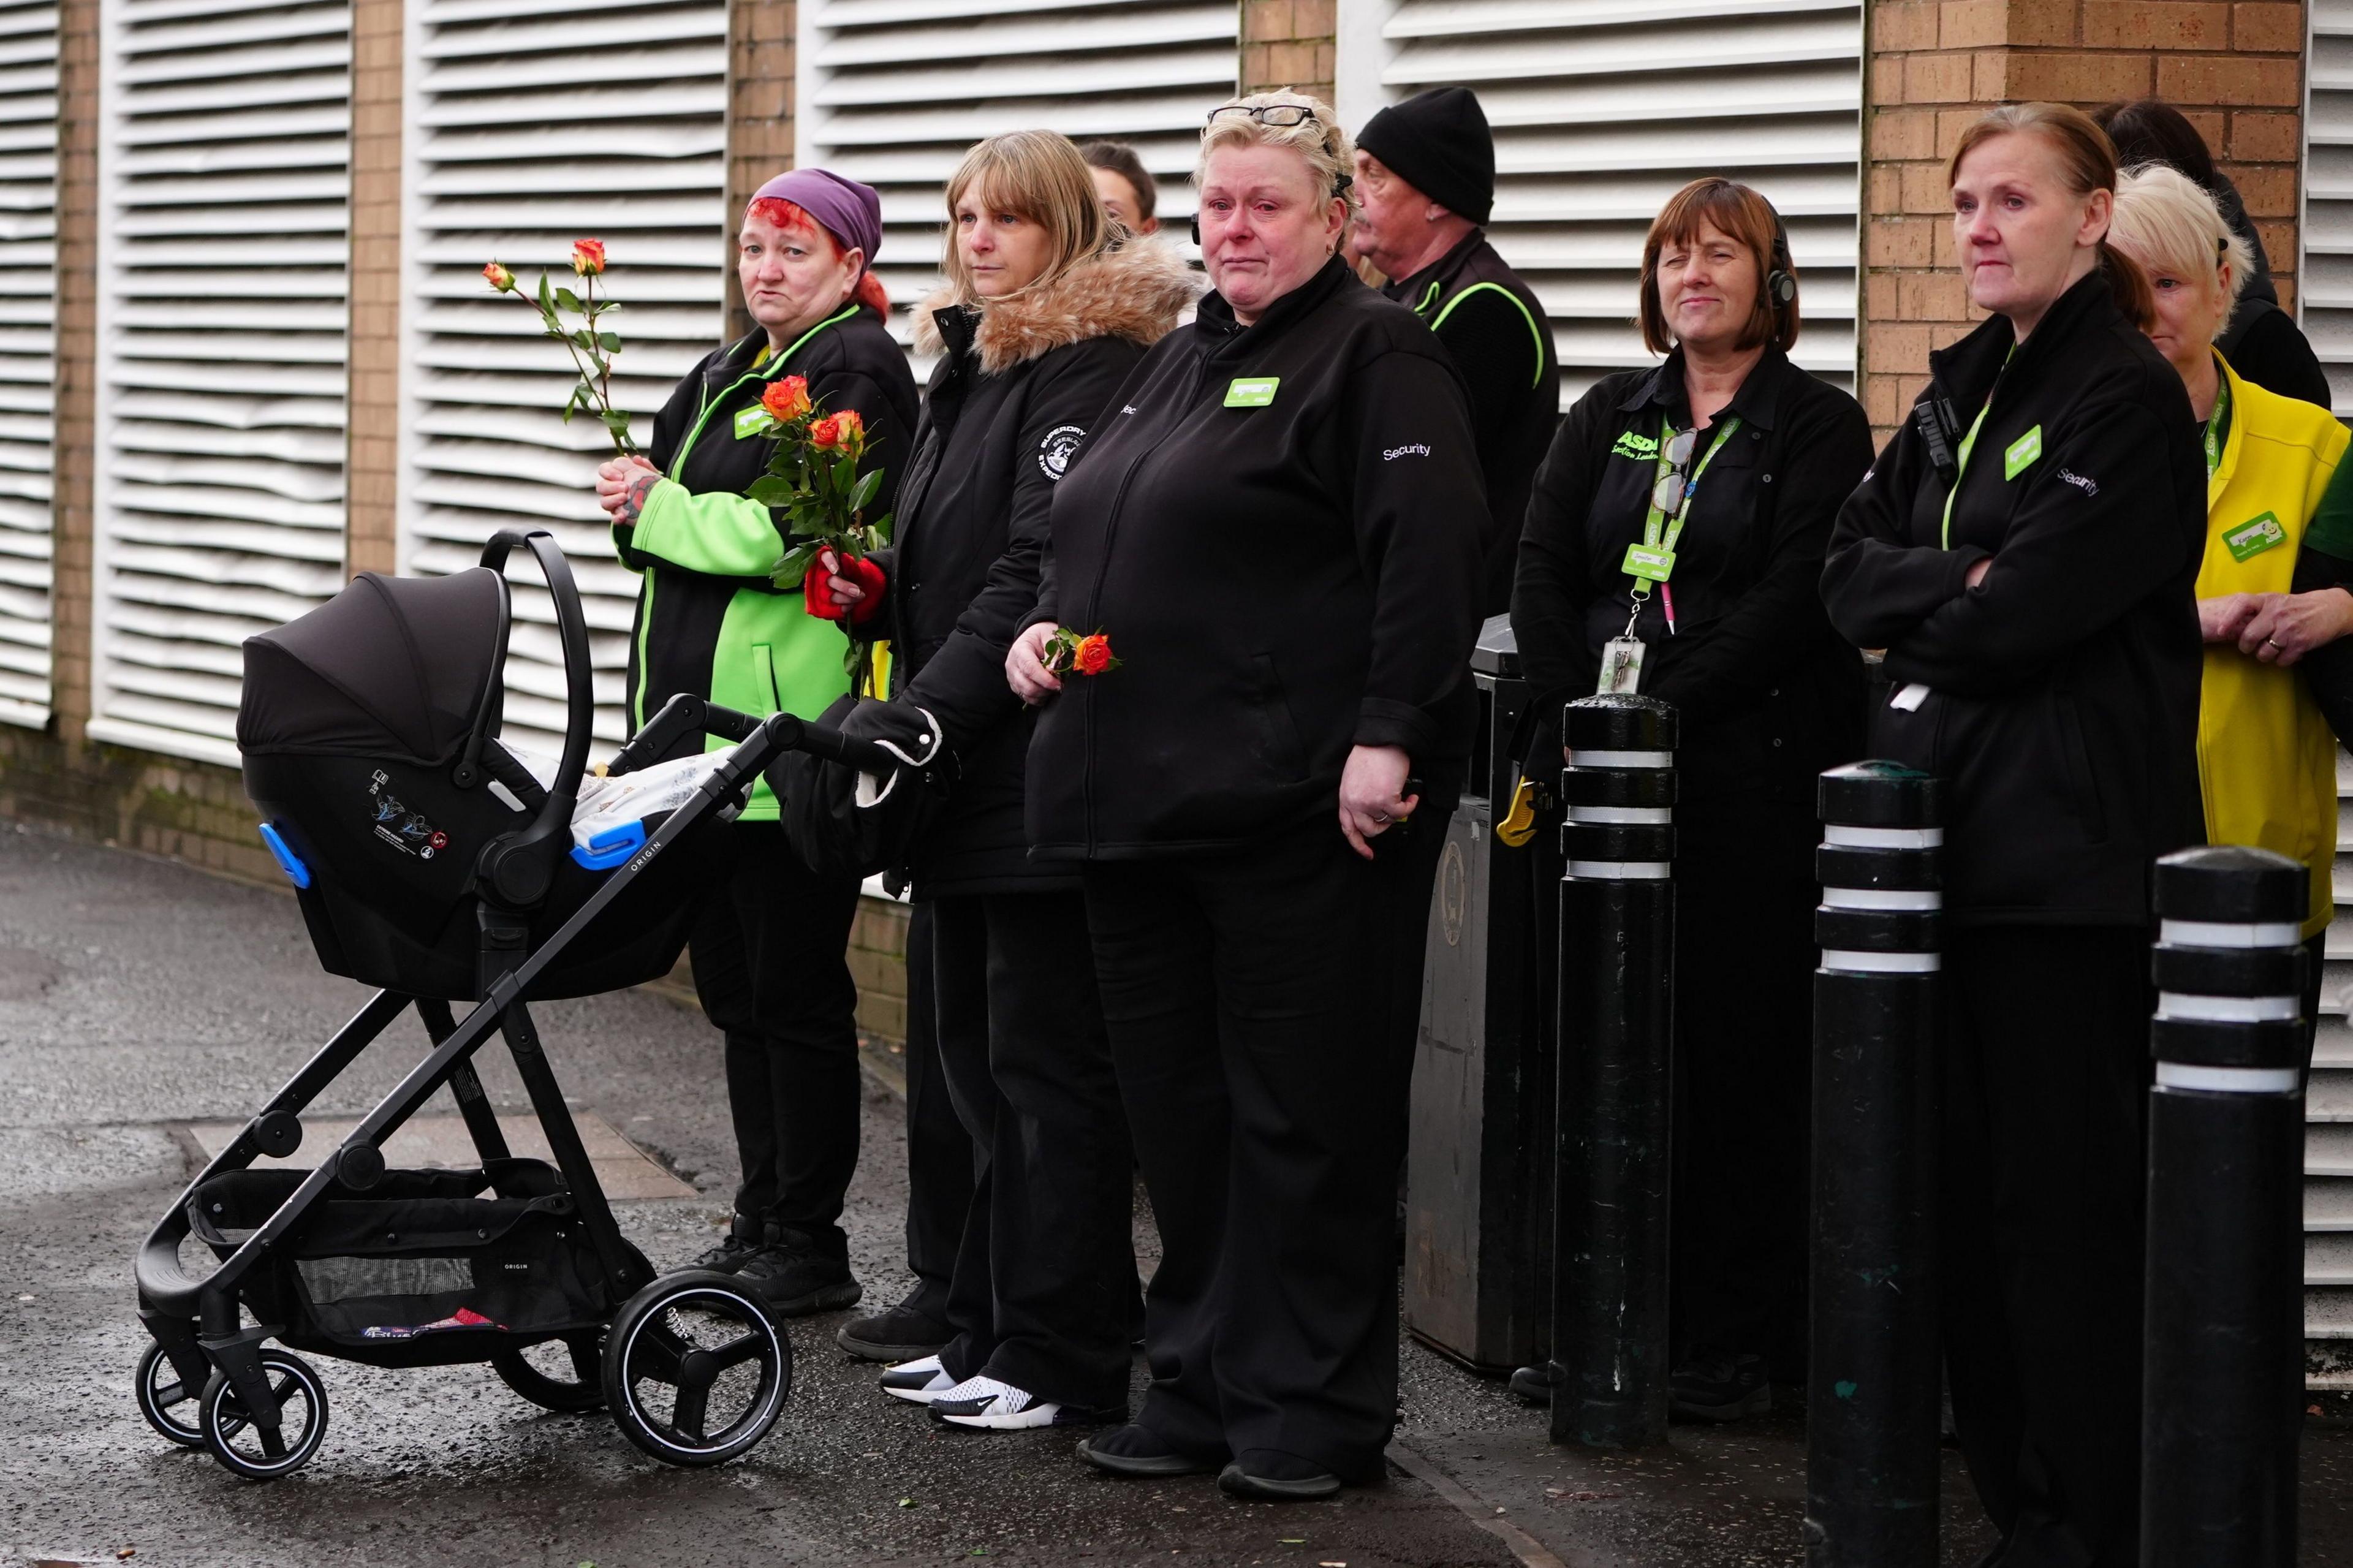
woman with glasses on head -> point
(1044, 315)
(2025, 551)
(2266, 755)
(1279, 529)
(1673, 548)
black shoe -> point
(1534, 1384)
(1713, 1385)
(744, 1239)
(1134, 1450)
(906, 1332)
(797, 1276)
(1270, 1474)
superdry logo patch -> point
(1630, 445)
(1054, 453)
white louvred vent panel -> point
(894, 92)
(1602, 108)
(2325, 277)
(29, 184)
(223, 235)
(531, 124)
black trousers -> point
(1253, 1000)
(772, 968)
(1046, 1266)
(1745, 897)
(939, 1150)
(2044, 1131)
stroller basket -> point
(420, 1271)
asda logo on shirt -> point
(1630, 445)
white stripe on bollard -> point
(1638, 814)
(1883, 838)
(1617, 870)
(1882, 898)
(1602, 759)
(1845, 963)
(2228, 1009)
(2228, 1080)
(2229, 933)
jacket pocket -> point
(2075, 759)
(764, 676)
(1280, 744)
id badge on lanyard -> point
(1653, 559)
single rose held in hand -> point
(591, 346)
(1080, 653)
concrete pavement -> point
(136, 994)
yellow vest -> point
(2266, 759)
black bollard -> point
(1609, 1369)
(1872, 1471)
(2223, 1373)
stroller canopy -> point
(391, 666)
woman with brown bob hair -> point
(1673, 546)
(2025, 553)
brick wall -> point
(373, 447)
(760, 63)
(1288, 43)
(2235, 68)
(73, 519)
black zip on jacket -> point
(1281, 529)
(2061, 706)
(1494, 328)
(1769, 695)
(1019, 386)
(853, 363)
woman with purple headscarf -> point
(770, 950)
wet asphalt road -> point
(136, 994)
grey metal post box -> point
(1478, 1167)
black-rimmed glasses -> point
(1278, 115)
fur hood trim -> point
(1134, 292)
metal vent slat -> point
(497, 169)
(28, 183)
(224, 236)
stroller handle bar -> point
(685, 714)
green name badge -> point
(1251, 391)
(2254, 536)
(749, 420)
(1656, 565)
(2022, 451)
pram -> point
(431, 861)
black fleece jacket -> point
(1281, 528)
(1767, 694)
(2061, 706)
(1495, 329)
(1018, 387)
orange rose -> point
(852, 427)
(499, 277)
(827, 433)
(1093, 654)
(787, 398)
(587, 256)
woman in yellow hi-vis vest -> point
(2266, 755)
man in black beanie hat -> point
(1426, 180)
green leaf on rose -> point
(609, 342)
(770, 490)
(546, 298)
(567, 299)
(861, 494)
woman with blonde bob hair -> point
(1281, 532)
(1711, 601)
(2025, 551)
(1043, 316)
(2266, 755)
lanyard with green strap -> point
(1968, 445)
(2218, 425)
(1653, 559)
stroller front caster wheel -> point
(696, 1370)
(260, 1453)
(169, 1404)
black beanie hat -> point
(1437, 141)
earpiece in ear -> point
(1197, 231)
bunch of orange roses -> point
(813, 479)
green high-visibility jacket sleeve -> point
(717, 534)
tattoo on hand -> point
(633, 499)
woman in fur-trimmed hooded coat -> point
(1042, 1302)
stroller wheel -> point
(256, 1452)
(696, 1370)
(169, 1404)
(562, 1375)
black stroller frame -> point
(202, 1339)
